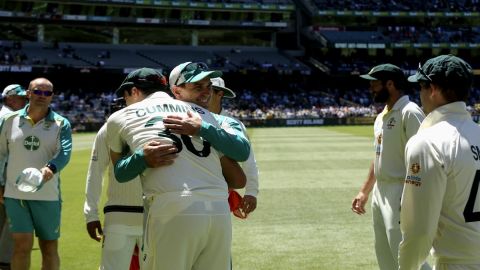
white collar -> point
(455, 109)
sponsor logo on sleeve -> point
(413, 178)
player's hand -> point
(92, 228)
(359, 202)
(249, 203)
(47, 174)
(158, 154)
(189, 125)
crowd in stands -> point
(12, 54)
(84, 108)
(437, 34)
(400, 5)
(90, 108)
(399, 34)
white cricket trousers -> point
(386, 200)
(187, 233)
(119, 243)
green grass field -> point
(308, 177)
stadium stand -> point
(277, 70)
(400, 5)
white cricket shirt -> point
(197, 168)
(392, 131)
(441, 200)
(127, 194)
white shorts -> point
(185, 233)
(119, 241)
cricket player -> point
(123, 224)
(14, 98)
(188, 224)
(35, 137)
(249, 200)
(393, 127)
(441, 200)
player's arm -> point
(233, 173)
(359, 202)
(153, 154)
(127, 167)
(422, 199)
(228, 139)
(63, 154)
(249, 201)
(99, 160)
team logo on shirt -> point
(391, 123)
(47, 125)
(31, 143)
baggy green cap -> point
(146, 78)
(444, 68)
(384, 72)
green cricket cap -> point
(384, 72)
(443, 69)
(143, 78)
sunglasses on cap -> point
(189, 71)
(45, 93)
(420, 70)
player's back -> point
(458, 235)
(196, 169)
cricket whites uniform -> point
(25, 144)
(123, 224)
(441, 199)
(249, 166)
(392, 131)
(188, 222)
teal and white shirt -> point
(197, 168)
(25, 145)
(392, 131)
